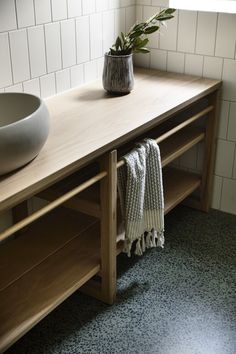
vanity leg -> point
(108, 197)
(210, 149)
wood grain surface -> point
(86, 122)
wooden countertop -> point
(87, 122)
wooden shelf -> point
(178, 185)
(57, 267)
(63, 250)
(179, 143)
(88, 200)
(39, 241)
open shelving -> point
(64, 257)
(49, 254)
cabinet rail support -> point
(209, 153)
(108, 197)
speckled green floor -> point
(180, 300)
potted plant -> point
(118, 63)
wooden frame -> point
(90, 245)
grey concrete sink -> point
(24, 128)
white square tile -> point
(206, 33)
(216, 195)
(189, 158)
(68, 43)
(82, 39)
(164, 3)
(5, 61)
(102, 5)
(25, 13)
(175, 62)
(129, 18)
(226, 35)
(63, 80)
(200, 156)
(53, 46)
(88, 6)
(142, 60)
(108, 28)
(32, 87)
(148, 11)
(6, 220)
(42, 11)
(127, 3)
(100, 65)
(19, 55)
(228, 200)
(7, 15)
(139, 13)
(212, 67)
(229, 79)
(59, 10)
(223, 119)
(37, 51)
(193, 64)
(114, 4)
(14, 88)
(74, 8)
(145, 2)
(119, 21)
(158, 59)
(90, 71)
(187, 31)
(232, 122)
(234, 167)
(77, 75)
(96, 36)
(224, 166)
(48, 85)
(168, 34)
(37, 204)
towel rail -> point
(176, 129)
(38, 214)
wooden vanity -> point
(49, 254)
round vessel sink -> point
(24, 128)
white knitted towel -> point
(141, 197)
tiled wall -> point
(204, 44)
(49, 46)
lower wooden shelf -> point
(57, 255)
(47, 281)
(178, 185)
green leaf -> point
(139, 26)
(142, 50)
(118, 43)
(122, 36)
(170, 11)
(136, 34)
(165, 18)
(141, 43)
(151, 29)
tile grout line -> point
(29, 61)
(10, 54)
(216, 33)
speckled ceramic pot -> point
(24, 128)
(118, 75)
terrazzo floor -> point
(179, 300)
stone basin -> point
(24, 128)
